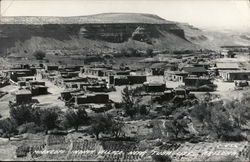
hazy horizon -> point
(206, 14)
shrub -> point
(8, 127)
(39, 55)
(49, 118)
(22, 151)
(149, 52)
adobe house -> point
(127, 80)
(21, 83)
(14, 74)
(66, 94)
(96, 88)
(227, 66)
(154, 87)
(194, 81)
(69, 74)
(35, 82)
(230, 76)
(181, 92)
(62, 81)
(94, 71)
(51, 67)
(223, 67)
(177, 76)
(118, 80)
(26, 79)
(92, 98)
(137, 79)
(205, 65)
(116, 72)
(71, 68)
(38, 90)
(159, 68)
(198, 71)
(231, 54)
(23, 96)
(167, 95)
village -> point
(136, 95)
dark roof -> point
(194, 69)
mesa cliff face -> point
(97, 33)
(118, 33)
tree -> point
(240, 112)
(39, 55)
(76, 118)
(24, 113)
(179, 123)
(100, 124)
(149, 52)
(49, 118)
(116, 128)
(218, 119)
(130, 100)
(175, 126)
(8, 126)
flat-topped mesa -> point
(111, 27)
(105, 18)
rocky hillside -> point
(214, 39)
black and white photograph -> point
(125, 80)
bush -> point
(149, 52)
(39, 55)
(49, 118)
(8, 127)
(22, 151)
(23, 113)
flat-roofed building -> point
(230, 76)
(177, 76)
(198, 71)
(23, 96)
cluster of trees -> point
(220, 120)
(225, 120)
(27, 118)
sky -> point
(208, 14)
